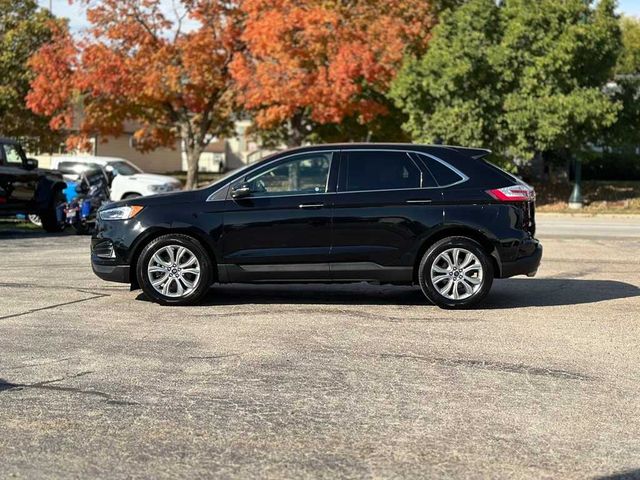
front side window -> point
(370, 170)
(305, 174)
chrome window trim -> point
(333, 152)
(463, 177)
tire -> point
(82, 228)
(49, 217)
(155, 263)
(447, 285)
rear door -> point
(385, 203)
(282, 231)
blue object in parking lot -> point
(86, 209)
(70, 192)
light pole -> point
(575, 200)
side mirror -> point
(241, 191)
(31, 164)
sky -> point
(61, 8)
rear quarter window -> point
(443, 174)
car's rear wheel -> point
(174, 269)
(456, 272)
(49, 218)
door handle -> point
(311, 205)
(420, 201)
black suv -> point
(24, 188)
(439, 217)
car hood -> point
(187, 196)
(48, 172)
(152, 178)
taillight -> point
(514, 193)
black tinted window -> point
(380, 171)
(443, 174)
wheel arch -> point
(154, 233)
(128, 193)
(458, 231)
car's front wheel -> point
(456, 272)
(174, 269)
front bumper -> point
(524, 265)
(112, 273)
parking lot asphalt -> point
(322, 381)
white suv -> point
(128, 180)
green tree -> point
(23, 29)
(629, 60)
(626, 89)
(518, 76)
(451, 93)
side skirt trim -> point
(315, 272)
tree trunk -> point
(193, 157)
(296, 131)
(537, 166)
(192, 150)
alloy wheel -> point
(174, 271)
(457, 274)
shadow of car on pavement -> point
(512, 293)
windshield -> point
(230, 174)
(124, 168)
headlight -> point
(157, 188)
(120, 213)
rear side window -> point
(381, 170)
(443, 174)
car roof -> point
(8, 141)
(87, 159)
(393, 146)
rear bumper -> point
(524, 265)
(112, 273)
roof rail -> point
(475, 153)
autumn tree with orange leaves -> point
(138, 63)
(309, 63)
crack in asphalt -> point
(495, 366)
(57, 287)
(60, 287)
(338, 311)
(46, 385)
(29, 365)
(213, 357)
(94, 296)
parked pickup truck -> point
(27, 189)
(127, 180)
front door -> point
(385, 204)
(17, 184)
(282, 230)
